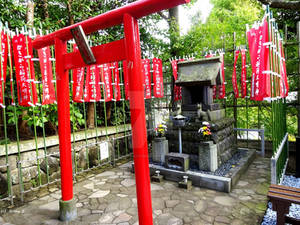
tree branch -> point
(282, 4)
(163, 16)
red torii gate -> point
(124, 49)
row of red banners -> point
(106, 74)
(260, 48)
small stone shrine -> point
(192, 158)
(197, 79)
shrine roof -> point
(201, 72)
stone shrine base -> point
(210, 181)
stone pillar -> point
(208, 156)
(160, 148)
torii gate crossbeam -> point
(124, 49)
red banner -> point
(3, 69)
(158, 91)
(107, 80)
(92, 91)
(116, 75)
(47, 76)
(222, 89)
(177, 89)
(234, 80)
(125, 81)
(78, 81)
(259, 56)
(252, 36)
(24, 71)
(243, 74)
(147, 77)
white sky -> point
(185, 14)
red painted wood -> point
(138, 120)
(106, 53)
(64, 130)
(112, 18)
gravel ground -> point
(270, 216)
(225, 167)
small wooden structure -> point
(282, 197)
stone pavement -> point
(110, 198)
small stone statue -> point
(202, 115)
(177, 111)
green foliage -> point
(227, 16)
(76, 116)
(13, 12)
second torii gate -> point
(124, 49)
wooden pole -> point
(298, 40)
(234, 99)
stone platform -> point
(200, 179)
(110, 198)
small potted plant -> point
(160, 131)
(160, 145)
(204, 131)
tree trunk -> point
(90, 121)
(30, 14)
(174, 29)
(174, 32)
(69, 7)
(45, 9)
(108, 111)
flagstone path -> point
(109, 198)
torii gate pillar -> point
(128, 49)
(138, 119)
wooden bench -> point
(282, 197)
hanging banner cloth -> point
(234, 78)
(47, 76)
(243, 74)
(214, 86)
(177, 89)
(259, 56)
(26, 87)
(116, 78)
(125, 80)
(105, 72)
(265, 62)
(158, 89)
(3, 69)
(147, 78)
(222, 88)
(92, 91)
(78, 81)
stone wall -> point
(222, 135)
(33, 161)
